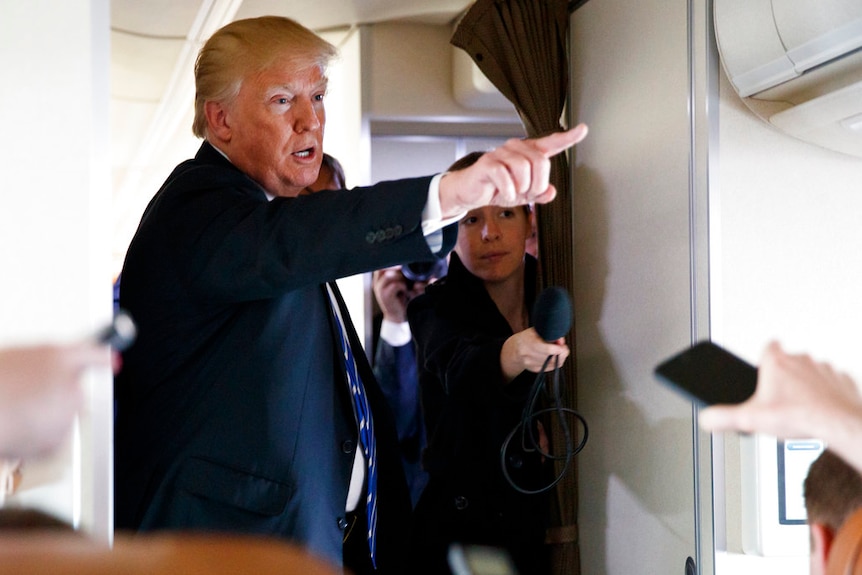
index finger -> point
(718, 418)
(553, 144)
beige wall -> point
(411, 76)
(634, 301)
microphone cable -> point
(529, 443)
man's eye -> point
(468, 221)
(282, 101)
(318, 97)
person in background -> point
(246, 404)
(533, 240)
(833, 492)
(330, 177)
(478, 358)
(797, 397)
(395, 360)
(395, 355)
(116, 289)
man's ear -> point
(218, 125)
(822, 537)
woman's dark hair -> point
(465, 161)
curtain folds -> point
(521, 46)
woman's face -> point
(492, 240)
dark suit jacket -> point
(232, 408)
(469, 413)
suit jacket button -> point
(398, 230)
(369, 237)
(342, 523)
(380, 235)
(348, 446)
(461, 502)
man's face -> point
(275, 127)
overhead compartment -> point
(797, 64)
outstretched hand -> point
(797, 397)
(40, 394)
(516, 173)
(526, 350)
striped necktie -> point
(366, 430)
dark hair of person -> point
(833, 490)
(468, 160)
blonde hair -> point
(246, 47)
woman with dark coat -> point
(478, 359)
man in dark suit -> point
(233, 408)
(394, 363)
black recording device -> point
(424, 271)
(708, 374)
(552, 319)
(120, 333)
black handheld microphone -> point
(552, 319)
(552, 313)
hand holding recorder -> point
(793, 396)
(798, 397)
(40, 388)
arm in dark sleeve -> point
(462, 356)
(228, 243)
(395, 369)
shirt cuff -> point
(432, 216)
(395, 334)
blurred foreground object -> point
(188, 554)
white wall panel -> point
(634, 303)
(55, 214)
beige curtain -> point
(520, 45)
